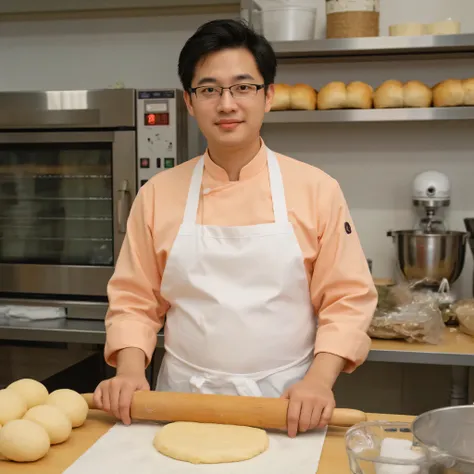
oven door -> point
(64, 202)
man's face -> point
(229, 120)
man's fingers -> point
(114, 394)
(97, 398)
(125, 402)
(316, 417)
(293, 417)
(106, 397)
(305, 416)
(326, 415)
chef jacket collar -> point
(250, 170)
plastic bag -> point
(464, 311)
(405, 312)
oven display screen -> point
(152, 119)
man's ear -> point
(269, 97)
(189, 104)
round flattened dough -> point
(208, 443)
(23, 441)
(34, 392)
(53, 420)
(71, 403)
(12, 406)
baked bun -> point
(454, 93)
(303, 97)
(468, 86)
(332, 96)
(281, 98)
(336, 95)
(417, 94)
(394, 94)
(389, 95)
(359, 95)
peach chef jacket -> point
(342, 290)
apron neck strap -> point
(276, 187)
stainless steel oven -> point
(70, 166)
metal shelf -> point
(379, 48)
(371, 115)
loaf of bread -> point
(282, 97)
(417, 94)
(359, 95)
(454, 93)
(393, 94)
(336, 95)
(332, 96)
(303, 97)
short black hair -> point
(217, 35)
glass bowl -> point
(376, 447)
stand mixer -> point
(430, 253)
(431, 192)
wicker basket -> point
(352, 18)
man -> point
(251, 252)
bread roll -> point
(449, 93)
(395, 94)
(468, 86)
(281, 98)
(417, 94)
(303, 97)
(332, 96)
(359, 95)
(389, 95)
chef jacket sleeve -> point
(342, 288)
(136, 309)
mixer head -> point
(431, 190)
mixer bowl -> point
(447, 435)
(430, 257)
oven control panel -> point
(161, 131)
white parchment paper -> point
(129, 449)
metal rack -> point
(379, 48)
(383, 48)
(370, 115)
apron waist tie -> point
(244, 386)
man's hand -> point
(310, 406)
(311, 400)
(115, 395)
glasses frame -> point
(193, 90)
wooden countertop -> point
(455, 348)
(453, 342)
(60, 457)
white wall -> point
(373, 162)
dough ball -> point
(208, 443)
(23, 441)
(71, 403)
(53, 420)
(34, 392)
(12, 406)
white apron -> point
(241, 321)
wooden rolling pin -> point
(259, 412)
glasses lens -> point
(243, 90)
(208, 92)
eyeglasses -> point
(238, 91)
